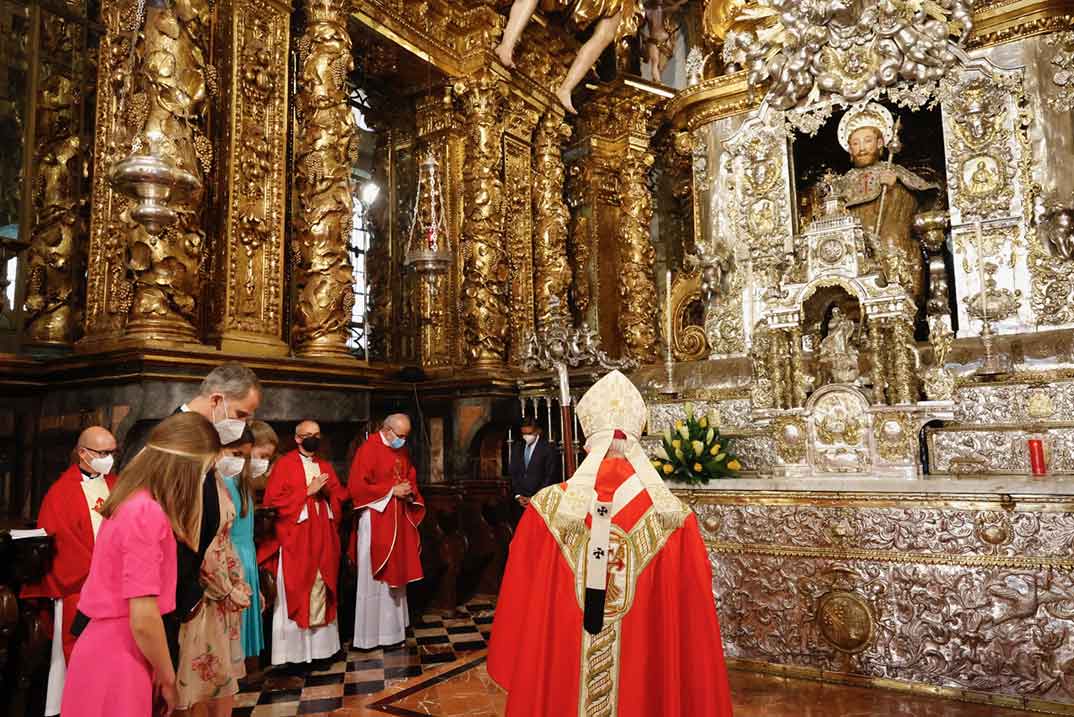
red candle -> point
(1036, 457)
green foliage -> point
(694, 452)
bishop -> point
(606, 605)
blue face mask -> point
(398, 443)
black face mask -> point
(310, 444)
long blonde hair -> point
(172, 466)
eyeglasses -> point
(114, 452)
(301, 436)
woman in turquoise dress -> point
(241, 488)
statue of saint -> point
(614, 19)
(837, 350)
(884, 196)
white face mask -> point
(230, 429)
(529, 438)
(230, 466)
(259, 466)
(102, 465)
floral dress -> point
(211, 657)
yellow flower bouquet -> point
(692, 451)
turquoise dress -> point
(242, 535)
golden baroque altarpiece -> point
(858, 321)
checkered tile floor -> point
(431, 641)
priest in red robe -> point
(606, 605)
(70, 513)
(386, 549)
(305, 554)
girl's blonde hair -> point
(264, 435)
(172, 467)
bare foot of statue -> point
(564, 96)
(505, 55)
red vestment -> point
(307, 533)
(396, 545)
(65, 515)
(669, 658)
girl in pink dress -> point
(120, 664)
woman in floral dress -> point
(211, 657)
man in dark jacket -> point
(535, 463)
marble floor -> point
(440, 672)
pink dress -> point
(134, 557)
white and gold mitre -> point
(612, 403)
(869, 114)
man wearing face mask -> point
(305, 554)
(386, 548)
(70, 514)
(534, 465)
(228, 397)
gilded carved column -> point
(801, 382)
(153, 100)
(485, 283)
(520, 121)
(637, 286)
(56, 259)
(323, 202)
(552, 272)
(903, 379)
(251, 55)
(878, 361)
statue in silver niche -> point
(884, 195)
(838, 352)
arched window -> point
(365, 192)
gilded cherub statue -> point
(659, 34)
(883, 195)
(613, 19)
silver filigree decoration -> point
(557, 343)
(809, 121)
(1062, 71)
(915, 95)
(695, 66)
(809, 50)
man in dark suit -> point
(535, 464)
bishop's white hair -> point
(618, 445)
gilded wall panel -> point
(518, 224)
(108, 288)
(976, 599)
(252, 59)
